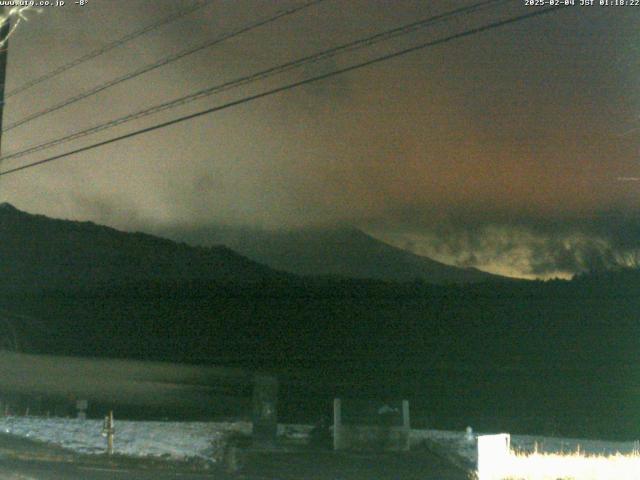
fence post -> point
(81, 409)
(406, 423)
(337, 424)
(108, 430)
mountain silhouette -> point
(344, 251)
(39, 253)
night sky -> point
(515, 150)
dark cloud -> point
(504, 149)
(531, 246)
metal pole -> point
(4, 32)
(4, 52)
(406, 424)
(337, 424)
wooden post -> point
(406, 423)
(108, 430)
(337, 424)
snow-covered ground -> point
(183, 440)
(175, 440)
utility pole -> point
(4, 33)
(4, 52)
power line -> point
(160, 63)
(323, 55)
(289, 86)
(110, 46)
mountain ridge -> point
(338, 251)
(39, 252)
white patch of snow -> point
(457, 443)
(175, 440)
